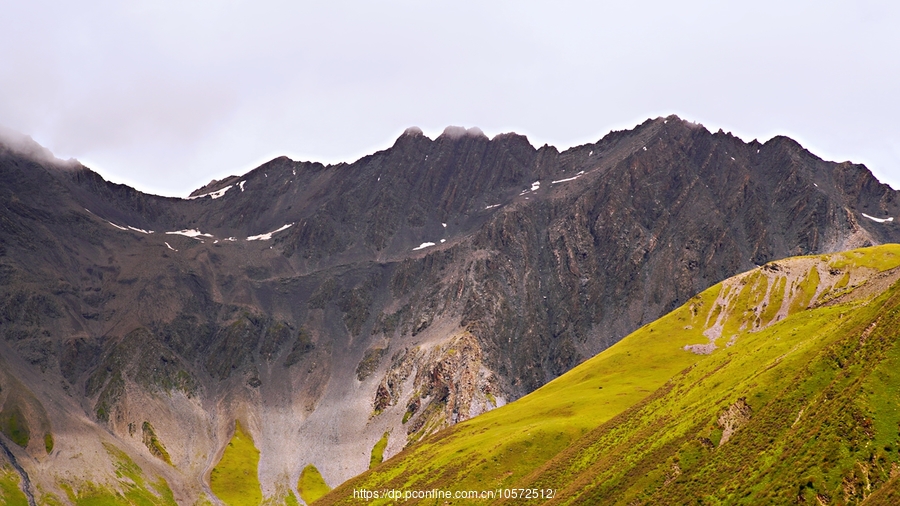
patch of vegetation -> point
(258, 272)
(776, 298)
(109, 396)
(203, 500)
(302, 345)
(143, 359)
(355, 304)
(133, 486)
(843, 282)
(153, 444)
(369, 362)
(311, 485)
(324, 293)
(48, 442)
(277, 334)
(10, 493)
(288, 499)
(820, 386)
(409, 413)
(234, 346)
(14, 424)
(377, 456)
(806, 290)
(235, 478)
(48, 499)
(880, 258)
(388, 323)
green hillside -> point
(777, 386)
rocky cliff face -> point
(324, 306)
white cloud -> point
(169, 95)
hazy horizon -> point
(167, 96)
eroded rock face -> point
(733, 418)
(419, 286)
(439, 387)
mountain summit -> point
(315, 313)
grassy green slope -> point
(311, 485)
(235, 479)
(10, 493)
(802, 370)
(133, 487)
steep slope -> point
(322, 307)
(776, 386)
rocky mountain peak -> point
(397, 294)
(458, 132)
(23, 145)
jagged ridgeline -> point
(282, 331)
(777, 386)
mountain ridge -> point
(348, 322)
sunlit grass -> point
(235, 478)
(311, 484)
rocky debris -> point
(153, 444)
(733, 418)
(389, 391)
(450, 385)
(369, 362)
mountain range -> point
(324, 318)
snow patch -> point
(591, 153)
(492, 206)
(241, 184)
(576, 176)
(423, 246)
(216, 194)
(267, 236)
(170, 246)
(192, 233)
(879, 220)
(443, 241)
(535, 186)
(645, 148)
(444, 224)
(127, 227)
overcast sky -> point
(167, 95)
